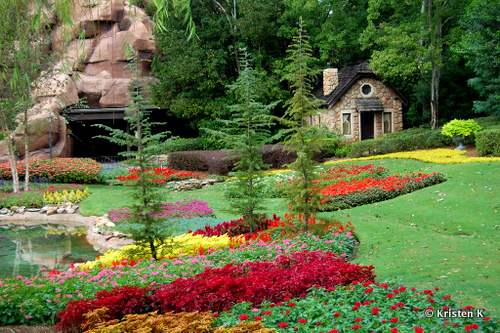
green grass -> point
(105, 197)
(441, 236)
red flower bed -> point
(59, 170)
(119, 301)
(158, 175)
(351, 172)
(343, 195)
(217, 289)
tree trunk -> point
(26, 153)
(436, 75)
(12, 161)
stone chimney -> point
(330, 80)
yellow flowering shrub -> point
(185, 244)
(58, 197)
(440, 155)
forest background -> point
(442, 55)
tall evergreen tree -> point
(301, 137)
(150, 232)
(246, 131)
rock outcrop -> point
(94, 68)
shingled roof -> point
(348, 75)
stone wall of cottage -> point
(390, 101)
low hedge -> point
(219, 162)
(488, 142)
(410, 139)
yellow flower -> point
(440, 155)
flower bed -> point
(58, 170)
(440, 155)
(361, 307)
(35, 198)
(255, 282)
(344, 195)
(157, 175)
(187, 208)
(36, 300)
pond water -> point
(24, 250)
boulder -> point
(117, 95)
(60, 85)
(14, 208)
(38, 132)
(51, 210)
(60, 210)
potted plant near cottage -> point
(458, 129)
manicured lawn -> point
(441, 236)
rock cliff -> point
(94, 66)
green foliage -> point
(246, 131)
(150, 236)
(193, 72)
(460, 127)
(409, 39)
(181, 144)
(479, 44)
(30, 199)
(301, 138)
(488, 142)
(410, 139)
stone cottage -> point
(357, 103)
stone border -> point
(99, 241)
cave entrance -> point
(84, 134)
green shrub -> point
(181, 144)
(410, 139)
(488, 142)
(460, 127)
(488, 122)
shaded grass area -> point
(441, 236)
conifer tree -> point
(246, 131)
(301, 137)
(150, 232)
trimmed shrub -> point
(410, 139)
(488, 142)
(219, 162)
(216, 162)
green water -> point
(24, 250)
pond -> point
(25, 249)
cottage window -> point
(387, 120)
(346, 124)
(366, 89)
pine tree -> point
(150, 232)
(246, 131)
(301, 137)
